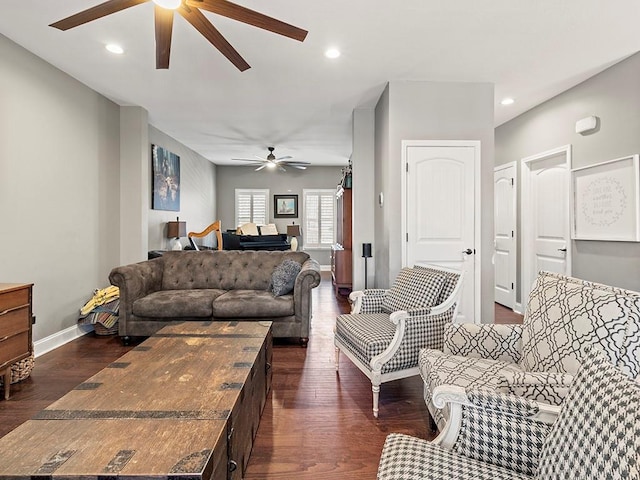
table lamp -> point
(293, 231)
(176, 230)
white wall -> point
(614, 96)
(59, 186)
(433, 111)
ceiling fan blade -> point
(245, 159)
(281, 168)
(99, 11)
(283, 158)
(299, 167)
(261, 167)
(250, 17)
(164, 28)
(196, 18)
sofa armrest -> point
(490, 341)
(367, 301)
(135, 281)
(494, 427)
(308, 278)
(545, 387)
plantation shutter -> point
(252, 206)
(318, 218)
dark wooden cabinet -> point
(341, 254)
(15, 327)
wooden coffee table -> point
(186, 403)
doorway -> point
(545, 219)
(505, 237)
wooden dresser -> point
(15, 327)
(341, 254)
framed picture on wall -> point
(285, 206)
(606, 202)
(166, 179)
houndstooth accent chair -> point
(594, 434)
(386, 329)
(539, 358)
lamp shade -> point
(293, 230)
(176, 229)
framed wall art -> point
(166, 179)
(605, 201)
(285, 206)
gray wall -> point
(59, 186)
(197, 193)
(293, 181)
(614, 96)
(432, 111)
(363, 194)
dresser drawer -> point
(13, 299)
(15, 321)
(14, 348)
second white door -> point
(504, 240)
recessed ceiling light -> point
(113, 48)
(507, 101)
(332, 53)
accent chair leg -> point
(376, 395)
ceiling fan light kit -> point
(190, 11)
(271, 162)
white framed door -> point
(440, 211)
(504, 239)
(546, 217)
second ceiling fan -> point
(270, 161)
(190, 11)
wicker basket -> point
(102, 330)
(21, 370)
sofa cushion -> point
(597, 434)
(564, 313)
(177, 303)
(252, 304)
(413, 288)
(284, 276)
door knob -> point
(562, 249)
(468, 251)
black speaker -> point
(366, 250)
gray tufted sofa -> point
(213, 285)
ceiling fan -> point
(272, 162)
(190, 11)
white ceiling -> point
(301, 102)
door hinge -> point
(407, 167)
(512, 181)
(512, 286)
(511, 233)
(407, 237)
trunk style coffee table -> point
(184, 404)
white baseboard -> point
(58, 339)
(518, 308)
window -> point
(318, 218)
(252, 205)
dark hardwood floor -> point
(316, 423)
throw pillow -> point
(597, 434)
(413, 288)
(284, 276)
